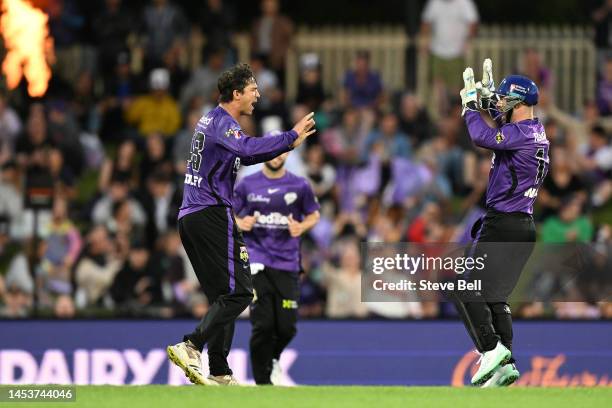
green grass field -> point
(377, 397)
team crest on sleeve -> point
(244, 255)
(499, 137)
(233, 132)
(290, 197)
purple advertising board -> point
(324, 352)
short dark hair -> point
(234, 79)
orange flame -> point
(26, 37)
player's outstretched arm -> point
(253, 150)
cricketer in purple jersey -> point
(520, 161)
(218, 148)
(271, 201)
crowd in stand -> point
(113, 132)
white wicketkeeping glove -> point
(469, 96)
(486, 87)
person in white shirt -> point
(448, 26)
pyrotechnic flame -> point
(26, 38)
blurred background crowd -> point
(92, 173)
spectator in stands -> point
(598, 165)
(387, 141)
(64, 133)
(602, 17)
(16, 283)
(65, 27)
(10, 128)
(604, 90)
(414, 120)
(119, 190)
(122, 167)
(343, 285)
(156, 158)
(271, 36)
(135, 286)
(533, 67)
(156, 111)
(200, 92)
(569, 225)
(61, 247)
(447, 27)
(560, 185)
(322, 175)
(310, 86)
(268, 86)
(165, 27)
(119, 90)
(35, 137)
(11, 200)
(64, 307)
(217, 23)
(343, 142)
(161, 204)
(111, 29)
(97, 267)
(362, 87)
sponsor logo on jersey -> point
(273, 190)
(272, 220)
(290, 197)
(289, 304)
(257, 198)
(233, 132)
(539, 136)
(499, 137)
(205, 121)
(244, 255)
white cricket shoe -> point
(223, 379)
(276, 376)
(188, 358)
(504, 376)
(489, 362)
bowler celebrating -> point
(212, 240)
(274, 207)
(520, 164)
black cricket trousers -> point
(217, 251)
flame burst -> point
(26, 38)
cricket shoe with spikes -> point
(227, 379)
(188, 358)
(504, 376)
(489, 362)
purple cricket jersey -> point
(271, 201)
(218, 147)
(520, 161)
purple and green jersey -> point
(271, 201)
(218, 147)
(520, 161)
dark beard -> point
(272, 168)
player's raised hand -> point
(486, 87)
(246, 223)
(468, 94)
(304, 128)
(295, 227)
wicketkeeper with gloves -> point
(519, 166)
